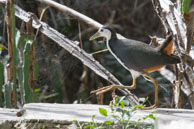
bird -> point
(137, 57)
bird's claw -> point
(102, 90)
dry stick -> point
(183, 64)
(72, 12)
(10, 67)
(80, 35)
(75, 14)
(41, 17)
(84, 32)
(177, 37)
(179, 70)
(189, 21)
(100, 51)
(10, 40)
(74, 49)
(52, 15)
(163, 17)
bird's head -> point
(106, 32)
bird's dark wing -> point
(139, 56)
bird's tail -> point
(167, 46)
(174, 59)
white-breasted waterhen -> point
(137, 57)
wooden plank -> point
(67, 113)
(8, 115)
(63, 112)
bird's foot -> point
(103, 90)
(109, 88)
(106, 89)
(150, 108)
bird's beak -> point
(96, 35)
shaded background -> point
(64, 79)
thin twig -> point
(80, 34)
(72, 12)
(75, 14)
(41, 17)
(97, 52)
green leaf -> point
(100, 127)
(57, 126)
(89, 126)
(122, 104)
(128, 113)
(49, 96)
(111, 106)
(1, 47)
(103, 111)
(116, 116)
(119, 99)
(185, 5)
(149, 116)
(1, 82)
(108, 122)
(93, 116)
(119, 110)
(145, 117)
(152, 116)
(37, 90)
(138, 107)
(137, 122)
(124, 111)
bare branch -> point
(75, 14)
(72, 12)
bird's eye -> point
(101, 30)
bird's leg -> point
(156, 93)
(113, 88)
